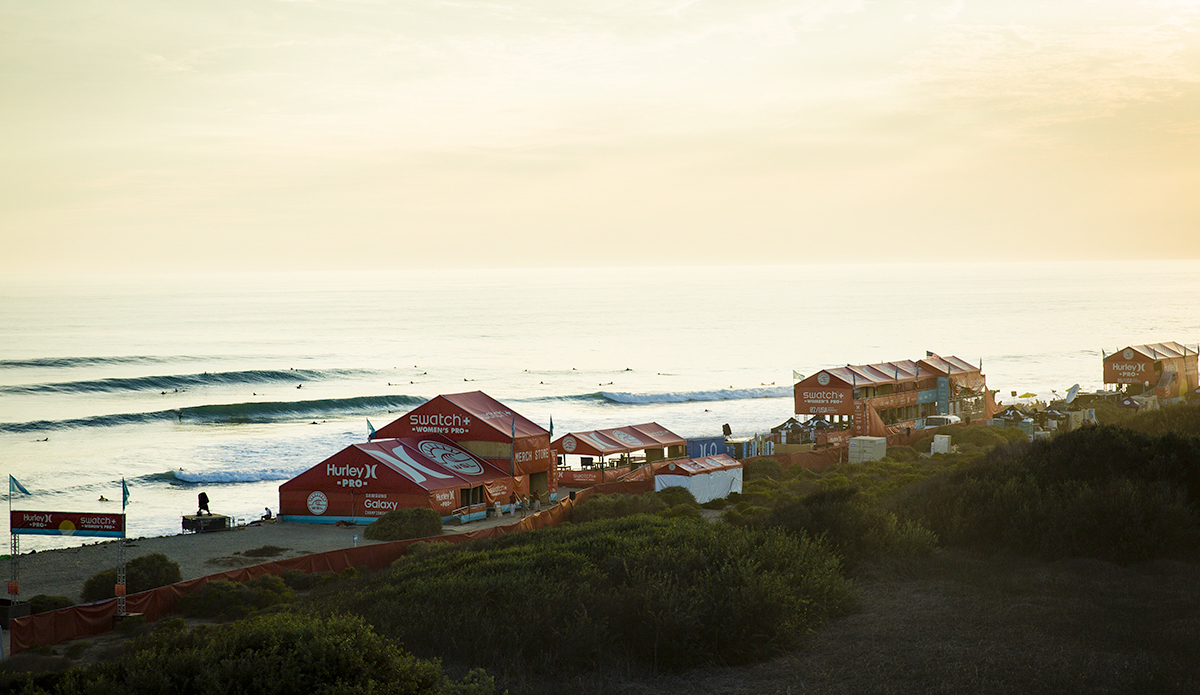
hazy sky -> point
(261, 134)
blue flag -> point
(370, 429)
(552, 427)
(14, 486)
(124, 494)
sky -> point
(219, 135)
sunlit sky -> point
(336, 134)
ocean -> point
(232, 384)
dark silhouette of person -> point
(203, 500)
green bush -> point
(402, 524)
(902, 454)
(676, 495)
(852, 524)
(762, 468)
(43, 603)
(225, 600)
(275, 654)
(667, 593)
(141, 574)
(1102, 492)
(597, 507)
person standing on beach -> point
(202, 498)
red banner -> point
(68, 524)
(823, 400)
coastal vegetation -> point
(1013, 563)
(402, 524)
(141, 574)
(641, 590)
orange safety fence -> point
(91, 619)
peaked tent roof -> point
(412, 464)
(485, 417)
(1158, 351)
(618, 440)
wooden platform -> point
(206, 523)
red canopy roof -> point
(618, 440)
(477, 417)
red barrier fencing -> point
(91, 619)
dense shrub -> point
(762, 468)
(853, 525)
(663, 592)
(1177, 419)
(902, 453)
(226, 600)
(141, 574)
(1103, 492)
(597, 507)
(676, 495)
(401, 524)
(269, 655)
(43, 603)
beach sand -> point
(63, 572)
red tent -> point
(621, 440)
(365, 481)
(483, 425)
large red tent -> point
(489, 429)
(365, 481)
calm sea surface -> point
(234, 383)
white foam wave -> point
(244, 476)
(698, 396)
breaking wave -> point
(232, 413)
(173, 382)
(624, 398)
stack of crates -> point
(864, 449)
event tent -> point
(620, 440)
(707, 478)
(483, 426)
(365, 481)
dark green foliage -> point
(226, 600)
(1103, 492)
(1178, 419)
(762, 468)
(43, 603)
(718, 503)
(976, 438)
(676, 495)
(141, 574)
(299, 580)
(666, 593)
(902, 454)
(616, 506)
(276, 654)
(682, 511)
(853, 524)
(401, 524)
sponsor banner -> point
(834, 437)
(532, 455)
(570, 478)
(68, 524)
(893, 400)
(1123, 371)
(816, 400)
(335, 503)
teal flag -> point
(124, 494)
(14, 486)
